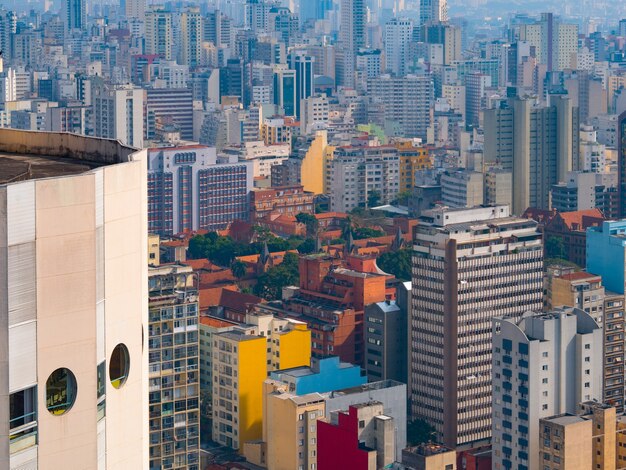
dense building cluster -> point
(312, 235)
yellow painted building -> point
(154, 250)
(242, 359)
(312, 170)
(412, 159)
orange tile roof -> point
(237, 301)
(215, 322)
(582, 219)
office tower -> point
(462, 188)
(432, 11)
(136, 9)
(118, 112)
(469, 265)
(386, 341)
(606, 255)
(285, 90)
(544, 364)
(398, 34)
(405, 100)
(191, 35)
(312, 11)
(7, 27)
(303, 65)
(75, 16)
(351, 39)
(189, 188)
(159, 34)
(554, 41)
(360, 438)
(447, 35)
(232, 80)
(241, 361)
(217, 28)
(476, 85)
(169, 106)
(72, 282)
(257, 15)
(621, 162)
(174, 375)
(283, 24)
(358, 172)
(538, 144)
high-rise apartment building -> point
(538, 144)
(174, 368)
(189, 188)
(469, 265)
(352, 38)
(169, 107)
(356, 173)
(136, 9)
(75, 14)
(621, 161)
(117, 112)
(553, 40)
(159, 35)
(398, 34)
(191, 36)
(406, 101)
(543, 364)
(73, 302)
(432, 11)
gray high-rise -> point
(538, 144)
(469, 265)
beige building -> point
(73, 303)
(429, 456)
(565, 442)
(289, 420)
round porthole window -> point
(119, 365)
(60, 391)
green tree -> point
(238, 268)
(366, 232)
(419, 432)
(307, 246)
(311, 222)
(270, 284)
(555, 247)
(402, 198)
(373, 198)
(397, 263)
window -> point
(23, 407)
(101, 410)
(361, 424)
(61, 391)
(119, 365)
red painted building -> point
(356, 439)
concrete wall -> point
(64, 145)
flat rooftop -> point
(20, 167)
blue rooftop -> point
(325, 375)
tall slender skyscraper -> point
(621, 160)
(352, 37)
(159, 37)
(433, 11)
(75, 14)
(469, 266)
(398, 33)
